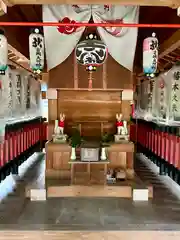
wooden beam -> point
(170, 45)
(169, 3)
(15, 36)
(29, 13)
(3, 8)
(45, 77)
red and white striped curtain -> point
(61, 41)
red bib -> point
(119, 124)
(60, 123)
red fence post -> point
(155, 141)
(1, 154)
(152, 140)
(177, 153)
(6, 148)
(28, 137)
(22, 140)
(167, 145)
(11, 147)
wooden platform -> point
(63, 188)
(78, 235)
(120, 189)
(89, 191)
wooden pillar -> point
(52, 110)
(45, 77)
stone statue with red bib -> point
(59, 125)
(59, 135)
(122, 131)
(119, 124)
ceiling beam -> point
(168, 3)
(170, 44)
(15, 36)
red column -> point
(36, 133)
(152, 140)
(32, 135)
(6, 148)
(1, 154)
(25, 138)
(174, 154)
(15, 142)
(163, 144)
(29, 136)
(149, 138)
(11, 146)
(159, 144)
(144, 132)
(155, 141)
(18, 143)
(39, 131)
(167, 147)
(177, 153)
(22, 140)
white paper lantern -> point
(91, 52)
(36, 51)
(3, 54)
(150, 54)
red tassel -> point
(90, 84)
(90, 81)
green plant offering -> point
(76, 138)
(106, 138)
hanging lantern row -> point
(36, 51)
(90, 53)
(3, 53)
(150, 55)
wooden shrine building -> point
(102, 118)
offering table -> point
(58, 164)
(66, 178)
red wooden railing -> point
(18, 141)
(162, 141)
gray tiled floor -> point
(163, 212)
